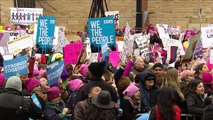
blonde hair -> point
(171, 80)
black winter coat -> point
(208, 113)
(16, 107)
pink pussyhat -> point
(130, 90)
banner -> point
(45, 34)
(17, 66)
(115, 15)
(192, 44)
(143, 45)
(54, 71)
(17, 45)
(207, 36)
(72, 52)
(25, 16)
(101, 29)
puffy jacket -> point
(16, 107)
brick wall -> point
(74, 13)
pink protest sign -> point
(72, 52)
(114, 57)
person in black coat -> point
(14, 106)
(208, 110)
(96, 71)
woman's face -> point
(200, 90)
(205, 68)
(56, 100)
(95, 91)
(44, 83)
(137, 95)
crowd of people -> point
(137, 89)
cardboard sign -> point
(115, 15)
(54, 71)
(207, 36)
(101, 29)
(45, 34)
(17, 66)
(72, 52)
(17, 45)
(25, 16)
(192, 44)
(143, 45)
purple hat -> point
(130, 90)
(207, 78)
(31, 83)
(83, 69)
(1, 80)
(75, 84)
(53, 93)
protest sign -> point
(17, 45)
(17, 66)
(192, 44)
(25, 16)
(72, 52)
(36, 101)
(115, 15)
(81, 59)
(54, 71)
(104, 49)
(143, 45)
(163, 30)
(45, 34)
(101, 29)
(4, 38)
(173, 30)
(61, 40)
(114, 57)
(127, 36)
(207, 36)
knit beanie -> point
(75, 84)
(83, 69)
(130, 90)
(53, 93)
(206, 78)
(97, 68)
(15, 83)
(31, 83)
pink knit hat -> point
(75, 84)
(83, 69)
(41, 72)
(130, 90)
(207, 78)
(53, 93)
(31, 83)
(1, 80)
(186, 73)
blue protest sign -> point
(101, 29)
(17, 66)
(36, 101)
(45, 34)
(54, 71)
(104, 49)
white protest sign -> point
(61, 40)
(25, 16)
(143, 44)
(207, 36)
(173, 30)
(17, 45)
(115, 15)
(163, 31)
